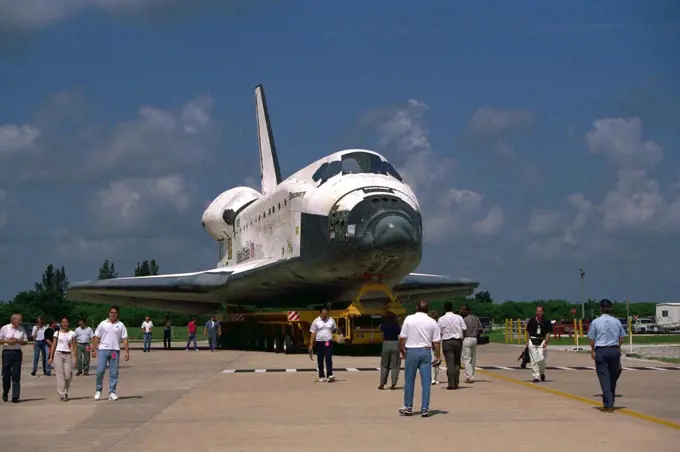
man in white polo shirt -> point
(452, 328)
(106, 349)
(12, 337)
(322, 337)
(147, 326)
(419, 336)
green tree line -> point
(482, 304)
(47, 299)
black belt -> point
(607, 346)
(61, 351)
(453, 339)
(11, 350)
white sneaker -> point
(97, 395)
(113, 397)
(321, 380)
(435, 382)
(331, 378)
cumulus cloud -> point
(491, 224)
(494, 130)
(126, 191)
(128, 206)
(16, 138)
(449, 213)
(636, 204)
(21, 21)
(77, 150)
(38, 14)
(621, 140)
(158, 140)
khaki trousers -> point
(63, 365)
(469, 357)
(538, 355)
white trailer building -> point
(668, 315)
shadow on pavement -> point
(37, 399)
(601, 409)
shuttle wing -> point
(429, 287)
(192, 293)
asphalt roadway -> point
(179, 401)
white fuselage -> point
(269, 228)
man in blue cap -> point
(606, 335)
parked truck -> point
(645, 326)
(288, 331)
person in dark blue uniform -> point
(606, 335)
(390, 361)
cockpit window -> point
(326, 171)
(355, 163)
(362, 162)
(334, 168)
(318, 175)
(392, 171)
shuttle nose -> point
(393, 232)
(382, 223)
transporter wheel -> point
(266, 343)
(276, 343)
(287, 345)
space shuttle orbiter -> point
(315, 237)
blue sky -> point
(540, 137)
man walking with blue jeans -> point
(147, 326)
(191, 329)
(420, 335)
(39, 346)
(606, 335)
(106, 349)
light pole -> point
(583, 303)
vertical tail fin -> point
(269, 160)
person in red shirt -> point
(192, 333)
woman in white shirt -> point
(64, 358)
